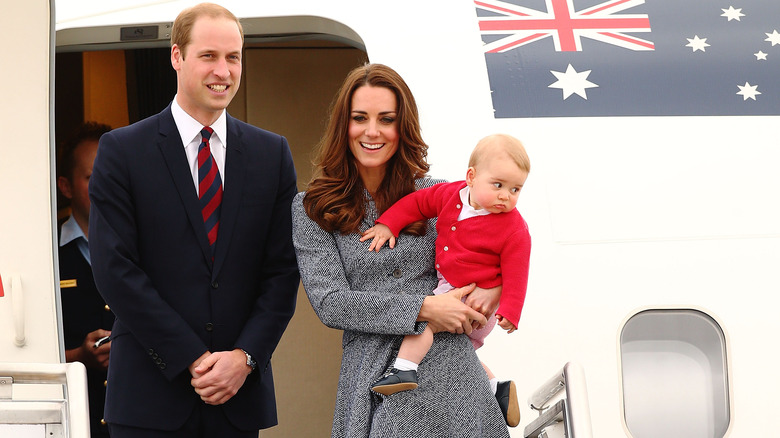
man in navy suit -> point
(199, 312)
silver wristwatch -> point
(249, 361)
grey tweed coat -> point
(375, 298)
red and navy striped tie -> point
(209, 188)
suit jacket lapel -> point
(235, 171)
(176, 160)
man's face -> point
(77, 187)
(209, 69)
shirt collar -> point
(70, 231)
(467, 208)
(189, 128)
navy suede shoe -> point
(506, 394)
(394, 381)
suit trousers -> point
(206, 421)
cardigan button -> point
(446, 248)
(453, 228)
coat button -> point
(158, 361)
(105, 383)
(215, 285)
(150, 351)
(102, 421)
(209, 327)
(397, 273)
(163, 366)
(108, 309)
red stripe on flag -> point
(638, 42)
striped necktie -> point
(209, 188)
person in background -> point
(481, 237)
(370, 156)
(191, 240)
(86, 318)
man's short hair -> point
(181, 34)
(86, 131)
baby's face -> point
(495, 184)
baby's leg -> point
(490, 374)
(506, 395)
(415, 347)
(403, 375)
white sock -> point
(494, 384)
(404, 365)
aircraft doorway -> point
(287, 87)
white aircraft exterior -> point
(656, 239)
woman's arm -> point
(334, 301)
(340, 306)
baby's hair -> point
(495, 143)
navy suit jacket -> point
(152, 264)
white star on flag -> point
(774, 37)
(760, 56)
(572, 82)
(732, 14)
(748, 91)
(697, 43)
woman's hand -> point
(484, 301)
(447, 313)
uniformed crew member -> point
(86, 317)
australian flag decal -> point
(571, 58)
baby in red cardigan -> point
(481, 239)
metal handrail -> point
(573, 409)
(74, 378)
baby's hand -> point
(380, 234)
(505, 324)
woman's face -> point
(373, 129)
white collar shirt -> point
(71, 231)
(189, 131)
(468, 211)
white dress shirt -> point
(71, 231)
(189, 131)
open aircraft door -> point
(39, 396)
(28, 299)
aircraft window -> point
(674, 374)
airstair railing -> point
(66, 417)
(569, 414)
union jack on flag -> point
(602, 58)
(564, 24)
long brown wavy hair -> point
(335, 196)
